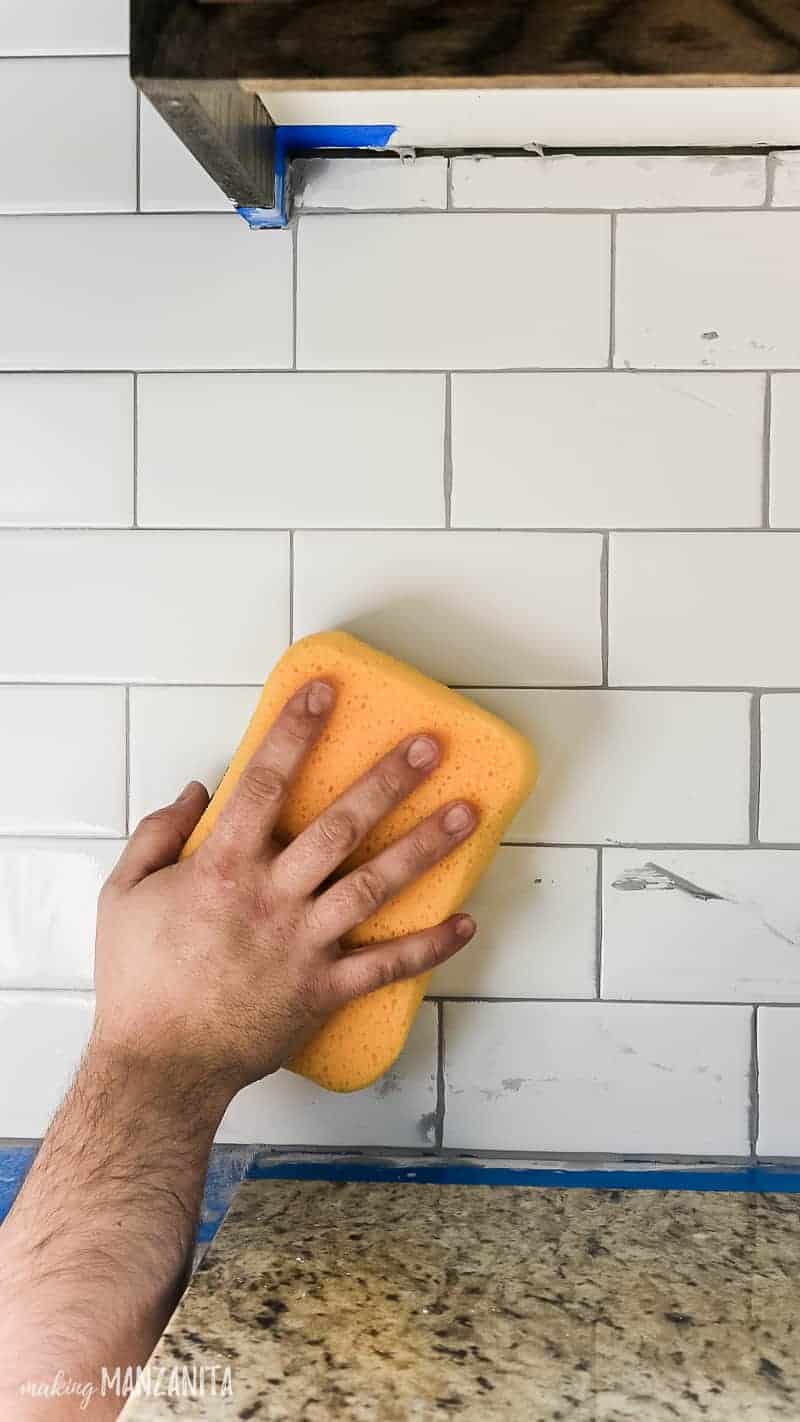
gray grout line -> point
(613, 687)
(127, 761)
(134, 684)
(638, 846)
(135, 450)
(441, 1084)
(70, 54)
(766, 497)
(755, 765)
(295, 240)
(461, 1155)
(291, 585)
(769, 194)
(612, 1001)
(754, 1104)
(333, 213)
(612, 290)
(138, 150)
(329, 531)
(649, 845)
(599, 926)
(627, 372)
(488, 150)
(410, 1156)
(366, 211)
(791, 1005)
(448, 450)
(449, 186)
(605, 554)
(467, 687)
(321, 214)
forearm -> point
(94, 1253)
(96, 1250)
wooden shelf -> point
(203, 62)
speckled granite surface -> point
(384, 1302)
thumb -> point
(159, 838)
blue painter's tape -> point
(259, 217)
(230, 1165)
(15, 1162)
(759, 1179)
(293, 139)
(227, 1169)
(302, 137)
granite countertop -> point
(389, 1302)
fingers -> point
(359, 895)
(326, 843)
(370, 968)
(248, 820)
(159, 838)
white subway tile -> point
(702, 925)
(481, 608)
(67, 136)
(786, 179)
(183, 733)
(142, 606)
(637, 766)
(399, 1110)
(536, 916)
(369, 184)
(785, 452)
(452, 290)
(320, 450)
(778, 1074)
(171, 179)
(703, 609)
(143, 292)
(64, 27)
(42, 1036)
(708, 290)
(66, 448)
(48, 904)
(610, 181)
(780, 769)
(62, 760)
(607, 449)
(582, 1076)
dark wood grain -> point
(227, 130)
(421, 40)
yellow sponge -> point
(379, 701)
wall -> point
(532, 424)
(647, 117)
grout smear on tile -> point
(651, 876)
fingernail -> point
(319, 698)
(465, 926)
(458, 818)
(422, 752)
(188, 791)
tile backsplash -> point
(530, 423)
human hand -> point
(219, 967)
